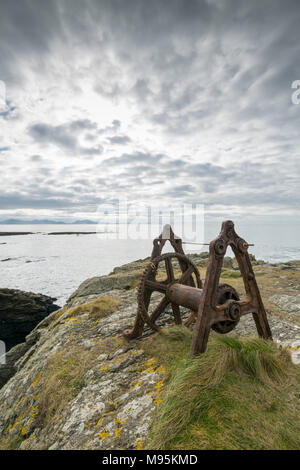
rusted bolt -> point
(234, 311)
(242, 245)
(220, 247)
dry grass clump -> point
(63, 379)
(98, 308)
(240, 394)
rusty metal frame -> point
(209, 308)
(209, 313)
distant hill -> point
(44, 222)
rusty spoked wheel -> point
(149, 284)
(225, 292)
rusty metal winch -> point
(212, 305)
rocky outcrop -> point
(20, 312)
(77, 384)
(99, 285)
(287, 303)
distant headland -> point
(44, 222)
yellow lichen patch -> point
(118, 432)
(33, 413)
(152, 361)
(137, 384)
(113, 403)
(157, 401)
(161, 370)
(159, 385)
(70, 319)
(100, 421)
(37, 379)
(151, 370)
(103, 435)
(24, 431)
(8, 428)
(104, 368)
(118, 421)
(139, 445)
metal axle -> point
(184, 296)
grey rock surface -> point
(287, 303)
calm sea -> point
(55, 265)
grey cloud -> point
(119, 139)
(97, 150)
(134, 158)
(114, 127)
(82, 124)
(59, 135)
(26, 29)
(64, 136)
(36, 158)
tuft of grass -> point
(240, 394)
(231, 274)
(98, 308)
(170, 346)
(63, 379)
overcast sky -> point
(166, 102)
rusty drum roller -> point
(181, 290)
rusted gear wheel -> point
(149, 284)
(225, 292)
